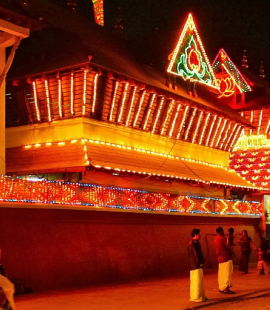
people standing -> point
(224, 257)
(196, 260)
(245, 247)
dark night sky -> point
(234, 25)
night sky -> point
(234, 25)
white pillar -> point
(2, 114)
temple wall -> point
(58, 248)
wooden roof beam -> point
(13, 29)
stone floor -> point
(158, 294)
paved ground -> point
(158, 294)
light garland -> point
(230, 137)
(225, 136)
(158, 114)
(95, 93)
(89, 195)
(113, 101)
(139, 108)
(149, 110)
(190, 123)
(60, 98)
(72, 93)
(204, 127)
(84, 91)
(216, 131)
(221, 132)
(197, 127)
(48, 101)
(167, 116)
(123, 102)
(210, 130)
(260, 122)
(182, 122)
(251, 120)
(174, 120)
(36, 100)
(131, 105)
(152, 153)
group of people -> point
(224, 248)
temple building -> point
(110, 164)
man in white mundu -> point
(224, 256)
(196, 260)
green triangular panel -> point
(222, 65)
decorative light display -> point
(174, 120)
(216, 131)
(114, 98)
(189, 59)
(84, 91)
(139, 108)
(226, 87)
(204, 127)
(167, 116)
(210, 130)
(95, 93)
(221, 132)
(123, 102)
(36, 100)
(260, 122)
(99, 12)
(225, 136)
(72, 93)
(183, 121)
(131, 105)
(228, 76)
(19, 190)
(48, 101)
(172, 176)
(197, 127)
(149, 110)
(251, 159)
(158, 113)
(60, 98)
(190, 123)
(251, 120)
(230, 137)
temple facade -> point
(110, 163)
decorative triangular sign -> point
(189, 59)
(228, 76)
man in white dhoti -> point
(8, 288)
(224, 256)
(196, 260)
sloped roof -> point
(44, 158)
(70, 40)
